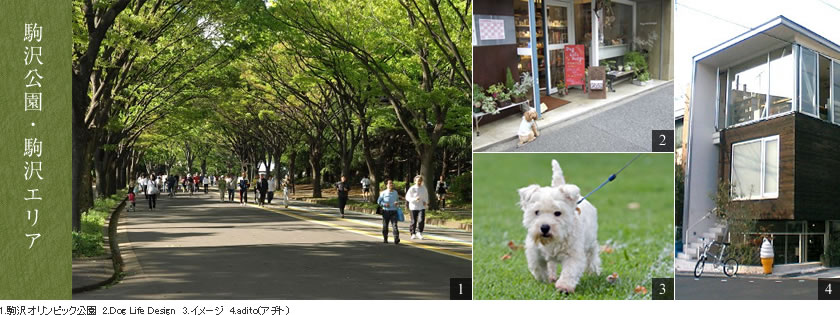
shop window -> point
(807, 81)
(617, 25)
(755, 169)
(748, 85)
(781, 81)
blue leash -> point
(611, 178)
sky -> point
(703, 24)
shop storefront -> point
(503, 38)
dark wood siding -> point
(817, 169)
(493, 7)
(782, 207)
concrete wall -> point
(702, 163)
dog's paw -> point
(552, 279)
(563, 287)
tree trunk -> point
(292, 171)
(82, 191)
(427, 170)
(315, 164)
(204, 166)
(100, 169)
(373, 172)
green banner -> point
(35, 191)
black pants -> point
(342, 201)
(152, 201)
(418, 220)
(243, 196)
(270, 196)
(390, 216)
(230, 194)
(262, 197)
(205, 188)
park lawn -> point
(90, 241)
(641, 239)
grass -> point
(90, 241)
(635, 219)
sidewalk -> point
(807, 271)
(580, 107)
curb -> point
(592, 112)
(116, 257)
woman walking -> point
(440, 191)
(272, 186)
(418, 199)
(243, 188)
(222, 189)
(388, 200)
(151, 194)
(286, 184)
(231, 186)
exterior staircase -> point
(692, 247)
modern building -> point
(765, 117)
(510, 34)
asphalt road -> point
(720, 288)
(199, 248)
(624, 127)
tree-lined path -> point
(198, 248)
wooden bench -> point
(616, 75)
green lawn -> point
(635, 217)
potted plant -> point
(497, 91)
(488, 105)
(562, 89)
(478, 98)
(642, 78)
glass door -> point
(559, 31)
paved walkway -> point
(199, 248)
(621, 123)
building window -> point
(781, 81)
(755, 169)
(748, 86)
(808, 81)
(824, 86)
(617, 25)
(835, 69)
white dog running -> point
(559, 231)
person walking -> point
(196, 182)
(222, 189)
(151, 194)
(141, 182)
(262, 186)
(365, 188)
(388, 200)
(342, 188)
(243, 188)
(206, 181)
(418, 199)
(272, 186)
(286, 183)
(231, 186)
(440, 191)
(170, 184)
(184, 183)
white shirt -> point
(525, 127)
(412, 196)
(272, 185)
(365, 182)
(141, 181)
(206, 180)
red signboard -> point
(574, 60)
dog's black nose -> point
(544, 228)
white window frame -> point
(762, 194)
(814, 98)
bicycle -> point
(730, 266)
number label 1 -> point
(825, 288)
(460, 288)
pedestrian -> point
(418, 199)
(151, 194)
(366, 188)
(262, 186)
(286, 183)
(190, 183)
(170, 185)
(141, 182)
(272, 186)
(132, 196)
(440, 191)
(212, 179)
(222, 189)
(342, 188)
(243, 188)
(388, 200)
(231, 186)
(206, 182)
(184, 183)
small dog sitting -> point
(560, 231)
(528, 127)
